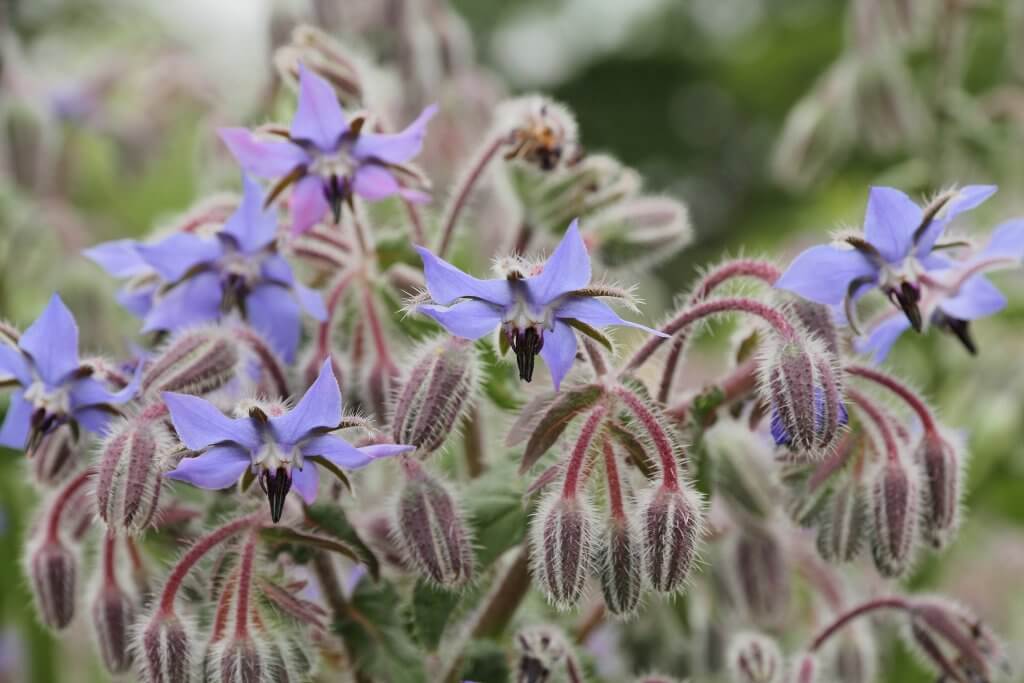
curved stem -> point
(899, 389)
(669, 467)
(323, 334)
(245, 587)
(462, 195)
(738, 383)
(380, 342)
(63, 497)
(415, 222)
(611, 469)
(108, 565)
(848, 616)
(579, 452)
(595, 357)
(881, 420)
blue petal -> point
(596, 313)
(197, 300)
(12, 362)
(217, 468)
(976, 298)
(319, 408)
(305, 481)
(567, 269)
(880, 340)
(890, 222)
(337, 450)
(177, 254)
(263, 158)
(823, 273)
(138, 302)
(52, 342)
(446, 283)
(277, 269)
(252, 226)
(119, 258)
(88, 392)
(1007, 241)
(966, 199)
(779, 432)
(273, 312)
(200, 424)
(307, 203)
(93, 419)
(559, 351)
(395, 148)
(385, 450)
(319, 117)
(374, 182)
(311, 301)
(470, 319)
(14, 431)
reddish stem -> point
(63, 497)
(462, 195)
(899, 389)
(669, 472)
(848, 616)
(881, 420)
(595, 356)
(579, 452)
(108, 562)
(380, 342)
(199, 550)
(245, 588)
(415, 222)
(611, 469)
(220, 617)
(267, 359)
(323, 336)
(738, 383)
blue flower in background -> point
(53, 387)
(198, 278)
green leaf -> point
(431, 610)
(375, 635)
(496, 512)
(566, 407)
(278, 534)
(590, 332)
(330, 517)
(333, 469)
(485, 660)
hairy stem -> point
(669, 469)
(245, 588)
(461, 196)
(852, 614)
(900, 390)
(580, 450)
(880, 419)
(63, 497)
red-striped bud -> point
(671, 523)
(113, 616)
(53, 577)
(953, 642)
(843, 524)
(562, 533)
(760, 577)
(754, 658)
(940, 459)
(56, 457)
(620, 561)
(131, 474)
(895, 511)
(853, 658)
(195, 362)
(240, 660)
(166, 647)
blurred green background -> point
(770, 118)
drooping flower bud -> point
(195, 362)
(431, 529)
(52, 569)
(671, 523)
(166, 646)
(641, 231)
(240, 660)
(843, 523)
(439, 388)
(543, 650)
(55, 457)
(940, 459)
(895, 511)
(800, 382)
(322, 54)
(619, 560)
(740, 462)
(854, 659)
(819, 321)
(755, 658)
(759, 575)
(130, 475)
(804, 668)
(113, 616)
(953, 642)
(562, 535)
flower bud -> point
(854, 658)
(379, 384)
(562, 543)
(759, 575)
(53, 577)
(130, 475)
(940, 460)
(438, 390)
(619, 562)
(542, 649)
(671, 522)
(543, 133)
(195, 362)
(952, 641)
(320, 53)
(895, 511)
(801, 384)
(166, 646)
(641, 231)
(844, 521)
(819, 321)
(740, 461)
(431, 529)
(113, 616)
(240, 659)
(804, 668)
(754, 658)
(55, 457)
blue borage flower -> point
(279, 447)
(197, 278)
(897, 249)
(536, 314)
(328, 156)
(53, 385)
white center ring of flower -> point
(52, 401)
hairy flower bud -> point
(819, 321)
(671, 523)
(239, 660)
(619, 560)
(543, 649)
(130, 475)
(740, 462)
(940, 460)
(895, 511)
(166, 646)
(800, 381)
(195, 362)
(843, 523)
(322, 54)
(641, 231)
(952, 641)
(542, 132)
(55, 457)
(804, 668)
(759, 575)
(439, 388)
(113, 615)
(754, 658)
(854, 657)
(431, 529)
(562, 535)
(52, 569)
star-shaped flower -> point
(280, 447)
(897, 249)
(537, 314)
(197, 278)
(53, 385)
(957, 294)
(329, 157)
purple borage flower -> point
(957, 294)
(328, 157)
(53, 386)
(536, 314)
(897, 249)
(200, 277)
(279, 447)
